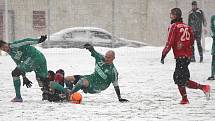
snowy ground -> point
(143, 80)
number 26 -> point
(185, 35)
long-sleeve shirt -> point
(180, 39)
(196, 19)
(103, 76)
(21, 51)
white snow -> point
(143, 80)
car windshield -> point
(100, 34)
(78, 34)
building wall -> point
(141, 20)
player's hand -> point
(42, 38)
(123, 100)
(27, 82)
(88, 46)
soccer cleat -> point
(184, 101)
(211, 78)
(206, 89)
(16, 99)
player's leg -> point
(70, 80)
(43, 80)
(212, 77)
(199, 45)
(17, 84)
(21, 69)
(194, 85)
(181, 78)
(193, 49)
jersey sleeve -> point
(97, 55)
(170, 40)
(203, 19)
(115, 78)
(23, 42)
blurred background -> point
(140, 20)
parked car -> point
(78, 36)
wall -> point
(141, 20)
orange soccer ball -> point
(76, 98)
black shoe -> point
(211, 78)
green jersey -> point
(103, 76)
(27, 57)
(213, 33)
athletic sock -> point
(193, 85)
(55, 85)
(182, 91)
(77, 86)
(17, 84)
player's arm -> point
(28, 41)
(189, 19)
(117, 90)
(204, 19)
(94, 53)
(169, 43)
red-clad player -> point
(180, 39)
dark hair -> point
(61, 71)
(52, 75)
(2, 43)
(194, 3)
(177, 12)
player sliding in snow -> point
(27, 59)
(105, 74)
(180, 39)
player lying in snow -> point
(53, 95)
(105, 74)
(27, 59)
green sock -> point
(77, 86)
(55, 85)
(17, 84)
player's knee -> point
(16, 72)
(83, 83)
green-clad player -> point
(212, 77)
(105, 73)
(27, 59)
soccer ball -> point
(76, 98)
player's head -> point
(51, 75)
(59, 75)
(194, 5)
(4, 46)
(175, 13)
(109, 57)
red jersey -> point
(180, 39)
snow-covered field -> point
(143, 80)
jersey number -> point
(185, 34)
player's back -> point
(183, 40)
